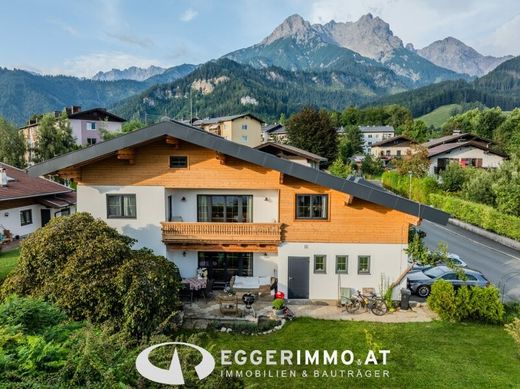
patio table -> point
(195, 283)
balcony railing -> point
(222, 233)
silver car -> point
(420, 282)
(453, 259)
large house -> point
(28, 203)
(85, 126)
(373, 134)
(205, 202)
(465, 149)
(245, 129)
(395, 147)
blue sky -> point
(82, 37)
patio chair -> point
(186, 294)
(208, 291)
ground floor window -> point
(320, 264)
(341, 264)
(222, 266)
(26, 217)
(364, 264)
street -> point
(500, 264)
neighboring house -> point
(293, 154)
(395, 147)
(203, 201)
(373, 134)
(27, 203)
(275, 132)
(464, 149)
(85, 126)
(245, 129)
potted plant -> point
(229, 291)
(278, 305)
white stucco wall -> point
(81, 133)
(386, 260)
(263, 211)
(488, 160)
(146, 228)
(10, 220)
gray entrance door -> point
(298, 282)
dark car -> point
(420, 282)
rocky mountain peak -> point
(294, 26)
(453, 54)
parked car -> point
(420, 282)
(452, 258)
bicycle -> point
(376, 304)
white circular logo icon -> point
(173, 375)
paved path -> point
(500, 264)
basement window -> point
(178, 162)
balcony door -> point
(222, 266)
(225, 208)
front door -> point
(298, 282)
(46, 216)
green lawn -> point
(438, 116)
(8, 261)
(433, 355)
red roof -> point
(21, 185)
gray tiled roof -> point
(292, 149)
(376, 128)
(205, 139)
(224, 119)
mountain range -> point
(369, 42)
(500, 87)
(328, 65)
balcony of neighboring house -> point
(218, 220)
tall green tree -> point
(54, 137)
(129, 126)
(416, 130)
(350, 143)
(312, 130)
(12, 145)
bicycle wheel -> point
(379, 307)
(353, 307)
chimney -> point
(76, 108)
(3, 177)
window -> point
(370, 136)
(225, 208)
(178, 162)
(398, 153)
(244, 138)
(222, 266)
(388, 153)
(26, 217)
(91, 126)
(341, 264)
(121, 206)
(91, 141)
(320, 264)
(244, 126)
(450, 276)
(363, 264)
(311, 206)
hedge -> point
(479, 215)
(421, 187)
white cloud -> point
(131, 39)
(189, 15)
(504, 40)
(64, 26)
(89, 64)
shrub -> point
(31, 315)
(89, 271)
(278, 304)
(466, 303)
(479, 187)
(479, 215)
(453, 177)
(421, 187)
(513, 329)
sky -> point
(81, 37)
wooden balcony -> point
(238, 237)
